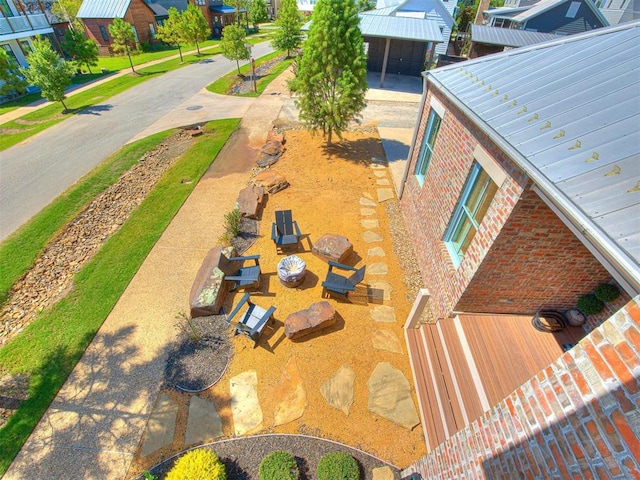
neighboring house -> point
(522, 193)
(97, 15)
(562, 17)
(219, 15)
(487, 40)
(619, 11)
(19, 23)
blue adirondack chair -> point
(244, 277)
(336, 284)
(285, 231)
(251, 321)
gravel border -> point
(242, 456)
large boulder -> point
(276, 135)
(250, 201)
(332, 247)
(269, 153)
(317, 317)
(271, 181)
(209, 288)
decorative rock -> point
(376, 252)
(370, 237)
(250, 201)
(271, 180)
(317, 317)
(390, 396)
(338, 390)
(385, 194)
(208, 289)
(274, 135)
(289, 395)
(332, 247)
(383, 314)
(370, 223)
(382, 473)
(269, 154)
(245, 408)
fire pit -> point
(291, 271)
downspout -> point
(405, 174)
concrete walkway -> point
(95, 423)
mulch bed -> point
(242, 456)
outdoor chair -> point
(244, 277)
(336, 284)
(249, 322)
(285, 231)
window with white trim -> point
(473, 204)
(428, 144)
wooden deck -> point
(465, 365)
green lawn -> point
(49, 347)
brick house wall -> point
(578, 418)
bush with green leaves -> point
(338, 466)
(606, 292)
(589, 304)
(279, 465)
(196, 465)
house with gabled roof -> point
(522, 194)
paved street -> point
(35, 172)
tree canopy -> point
(331, 75)
(233, 44)
(68, 10)
(11, 81)
(170, 32)
(194, 27)
(288, 36)
(48, 71)
(123, 37)
(81, 50)
(258, 12)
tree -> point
(364, 5)
(331, 76)
(289, 34)
(11, 81)
(67, 10)
(123, 37)
(82, 50)
(194, 27)
(233, 44)
(48, 71)
(170, 31)
(258, 12)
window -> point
(428, 144)
(474, 202)
(573, 9)
(152, 30)
(103, 32)
(26, 46)
(135, 33)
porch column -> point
(384, 62)
(418, 307)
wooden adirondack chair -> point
(285, 231)
(245, 277)
(250, 322)
(336, 284)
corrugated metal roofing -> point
(568, 111)
(545, 5)
(400, 27)
(103, 8)
(383, 12)
(508, 37)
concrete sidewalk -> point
(95, 423)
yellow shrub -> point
(199, 464)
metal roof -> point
(546, 5)
(509, 37)
(103, 8)
(568, 112)
(400, 27)
(383, 12)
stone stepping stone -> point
(245, 408)
(203, 422)
(289, 395)
(383, 181)
(380, 173)
(370, 223)
(367, 195)
(386, 340)
(390, 396)
(365, 202)
(385, 194)
(161, 426)
(380, 290)
(378, 269)
(376, 252)
(367, 212)
(382, 473)
(370, 237)
(383, 314)
(338, 390)
(377, 161)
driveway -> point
(36, 171)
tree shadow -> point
(357, 151)
(93, 109)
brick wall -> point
(140, 16)
(578, 418)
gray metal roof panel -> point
(103, 8)
(400, 27)
(383, 12)
(508, 37)
(570, 108)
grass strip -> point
(50, 346)
(224, 84)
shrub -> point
(606, 292)
(589, 304)
(196, 465)
(279, 465)
(338, 466)
(231, 226)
